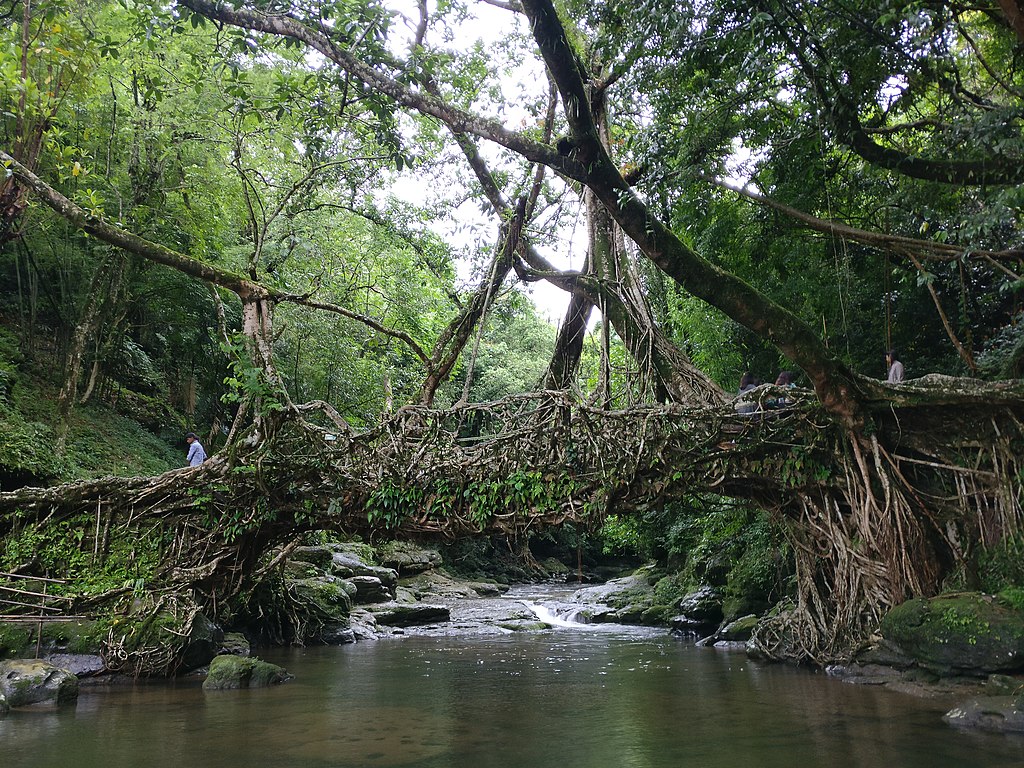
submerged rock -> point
(989, 713)
(24, 682)
(232, 672)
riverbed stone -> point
(1004, 685)
(4, 706)
(703, 605)
(989, 713)
(233, 672)
(439, 586)
(967, 633)
(408, 615)
(25, 682)
(346, 565)
(740, 630)
(235, 644)
(79, 664)
(369, 589)
(319, 556)
(408, 558)
(363, 625)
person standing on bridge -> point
(196, 453)
(895, 367)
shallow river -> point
(598, 698)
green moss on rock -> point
(966, 633)
(233, 672)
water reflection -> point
(557, 699)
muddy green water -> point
(559, 699)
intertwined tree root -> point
(872, 518)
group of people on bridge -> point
(787, 380)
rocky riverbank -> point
(967, 649)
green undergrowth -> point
(520, 492)
(100, 441)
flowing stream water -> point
(588, 697)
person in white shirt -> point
(895, 367)
(196, 454)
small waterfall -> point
(558, 614)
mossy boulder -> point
(24, 682)
(968, 633)
(408, 558)
(324, 605)
(235, 644)
(325, 598)
(232, 672)
(740, 630)
(317, 556)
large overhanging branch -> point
(842, 114)
(930, 250)
(587, 162)
(455, 118)
(833, 382)
(247, 289)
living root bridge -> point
(872, 519)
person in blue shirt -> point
(196, 454)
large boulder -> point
(699, 612)
(232, 672)
(317, 556)
(326, 604)
(79, 664)
(437, 585)
(645, 597)
(24, 682)
(347, 562)
(738, 631)
(408, 558)
(703, 605)
(202, 644)
(370, 589)
(409, 614)
(966, 633)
